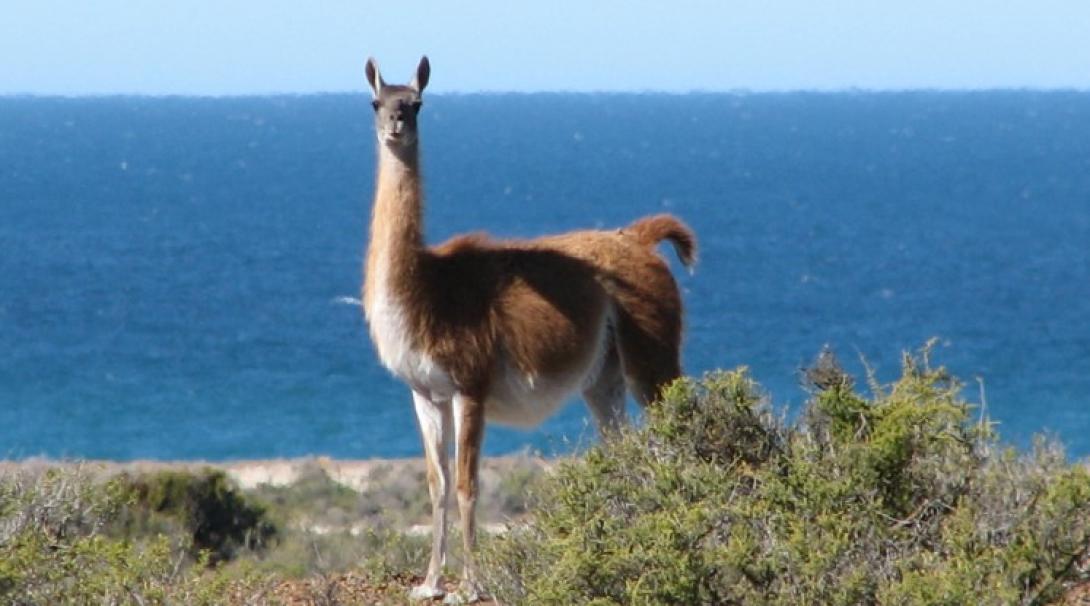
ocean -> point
(179, 276)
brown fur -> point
(470, 296)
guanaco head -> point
(396, 106)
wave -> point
(348, 301)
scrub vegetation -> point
(902, 496)
(892, 494)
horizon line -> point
(603, 92)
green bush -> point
(897, 498)
(216, 518)
(58, 546)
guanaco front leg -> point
(469, 432)
(435, 428)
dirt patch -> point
(350, 588)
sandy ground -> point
(356, 474)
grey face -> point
(395, 115)
(397, 106)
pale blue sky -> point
(244, 47)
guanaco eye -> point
(375, 104)
(416, 106)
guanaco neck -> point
(397, 242)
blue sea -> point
(179, 276)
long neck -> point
(397, 241)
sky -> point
(231, 47)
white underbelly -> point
(522, 402)
(526, 401)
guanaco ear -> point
(423, 71)
(374, 78)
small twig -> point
(177, 565)
(983, 401)
(135, 596)
(318, 554)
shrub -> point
(897, 498)
(56, 548)
(215, 517)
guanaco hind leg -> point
(605, 396)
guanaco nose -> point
(398, 119)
